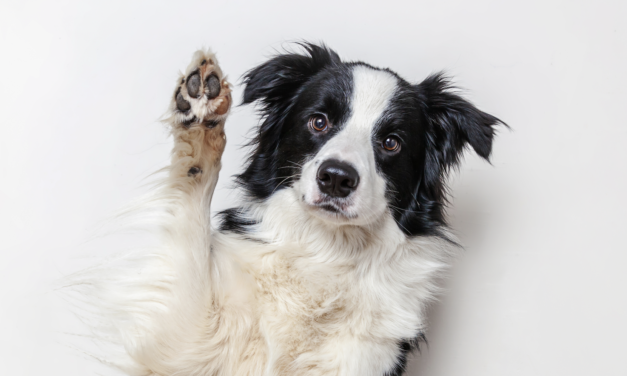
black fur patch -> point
(406, 348)
(233, 220)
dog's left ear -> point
(452, 122)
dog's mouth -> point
(329, 207)
(332, 207)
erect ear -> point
(452, 123)
(275, 82)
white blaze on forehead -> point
(372, 92)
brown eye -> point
(318, 123)
(391, 144)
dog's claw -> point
(194, 171)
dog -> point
(328, 263)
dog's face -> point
(355, 142)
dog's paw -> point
(203, 95)
(197, 114)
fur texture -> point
(320, 270)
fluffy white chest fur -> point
(327, 301)
(298, 300)
(327, 265)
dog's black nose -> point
(337, 179)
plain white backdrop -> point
(541, 288)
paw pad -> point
(181, 104)
(213, 86)
(202, 97)
(193, 85)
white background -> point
(541, 288)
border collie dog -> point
(326, 266)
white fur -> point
(309, 297)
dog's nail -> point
(189, 122)
(194, 171)
(211, 123)
(193, 85)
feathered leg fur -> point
(166, 324)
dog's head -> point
(355, 142)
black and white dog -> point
(328, 263)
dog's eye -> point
(318, 123)
(391, 143)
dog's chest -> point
(314, 316)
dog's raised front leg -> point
(176, 295)
(198, 112)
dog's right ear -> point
(275, 82)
